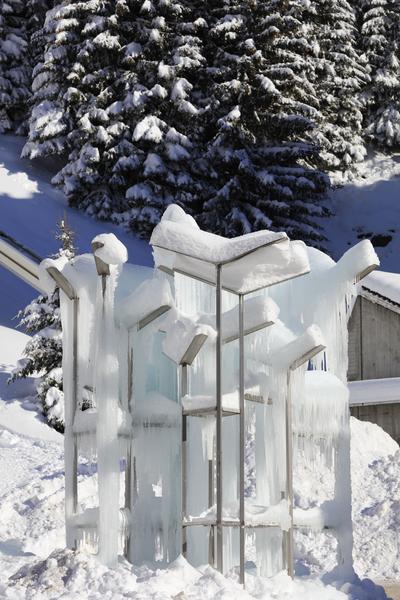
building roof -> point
(383, 288)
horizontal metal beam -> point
(20, 265)
(152, 316)
(248, 331)
(194, 348)
(62, 282)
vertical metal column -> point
(289, 477)
(218, 308)
(184, 391)
(128, 493)
(242, 530)
(70, 443)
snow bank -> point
(375, 461)
(78, 576)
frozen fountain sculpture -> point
(212, 374)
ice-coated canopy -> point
(250, 262)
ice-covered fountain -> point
(202, 387)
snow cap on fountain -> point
(179, 232)
(111, 251)
(250, 262)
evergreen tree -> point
(153, 163)
(85, 178)
(262, 161)
(36, 15)
(43, 353)
(340, 79)
(57, 99)
(14, 64)
(380, 39)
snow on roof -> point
(384, 284)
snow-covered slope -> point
(368, 207)
(29, 210)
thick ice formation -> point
(128, 386)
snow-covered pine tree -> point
(85, 178)
(159, 112)
(14, 64)
(262, 111)
(340, 80)
(56, 97)
(380, 40)
(36, 15)
(43, 353)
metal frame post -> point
(184, 391)
(70, 443)
(71, 402)
(242, 530)
(289, 477)
(218, 310)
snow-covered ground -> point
(368, 207)
(35, 565)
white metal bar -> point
(70, 442)
(20, 265)
(219, 498)
(184, 391)
(289, 477)
(242, 531)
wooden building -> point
(374, 353)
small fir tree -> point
(43, 353)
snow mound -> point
(375, 473)
(67, 574)
(376, 501)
